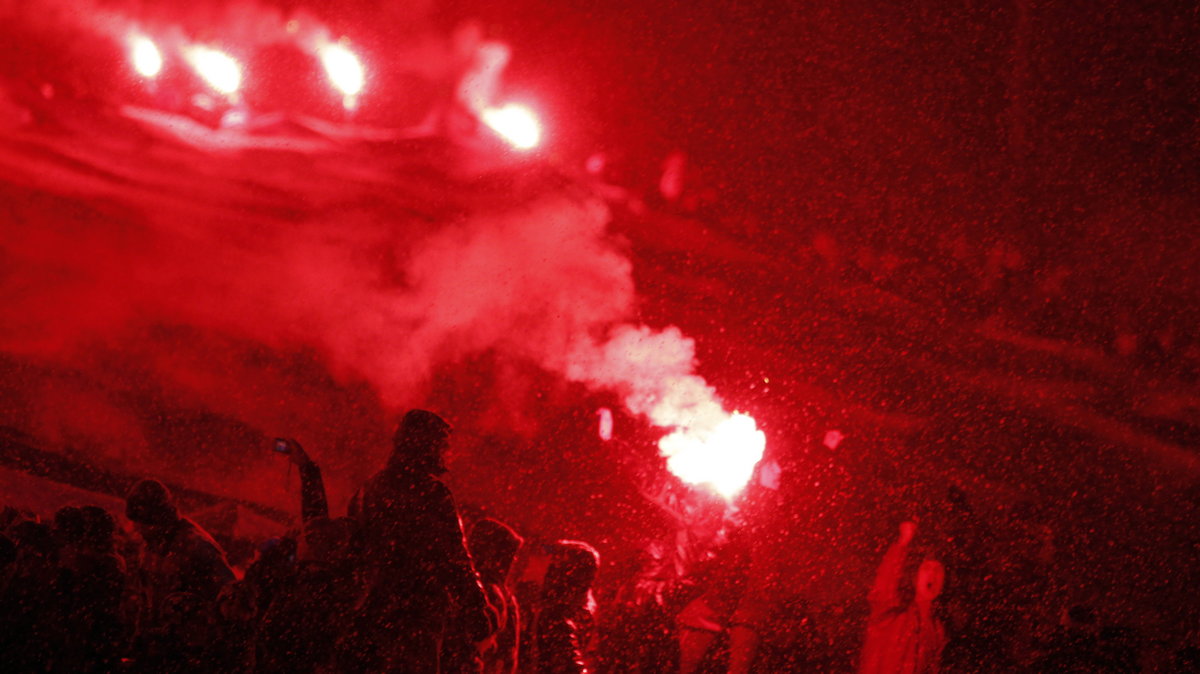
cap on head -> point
(149, 502)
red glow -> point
(220, 70)
(516, 123)
(147, 59)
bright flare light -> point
(222, 72)
(516, 123)
(722, 457)
(344, 69)
(147, 59)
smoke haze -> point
(205, 281)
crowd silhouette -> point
(396, 585)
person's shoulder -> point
(111, 563)
(193, 537)
(438, 492)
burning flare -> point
(722, 457)
(344, 69)
(516, 123)
(706, 446)
(147, 59)
(222, 72)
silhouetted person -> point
(299, 623)
(92, 586)
(904, 639)
(563, 616)
(494, 547)
(30, 612)
(417, 571)
(8, 559)
(706, 617)
(182, 569)
(298, 631)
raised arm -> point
(313, 502)
(884, 593)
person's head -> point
(37, 549)
(151, 509)
(569, 578)
(68, 525)
(931, 577)
(421, 441)
(494, 546)
(99, 529)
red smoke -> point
(165, 276)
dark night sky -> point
(816, 110)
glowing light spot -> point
(147, 59)
(722, 457)
(595, 164)
(606, 423)
(516, 124)
(344, 69)
(220, 70)
(833, 438)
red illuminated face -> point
(931, 576)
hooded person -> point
(494, 547)
(565, 612)
(904, 639)
(180, 565)
(418, 574)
